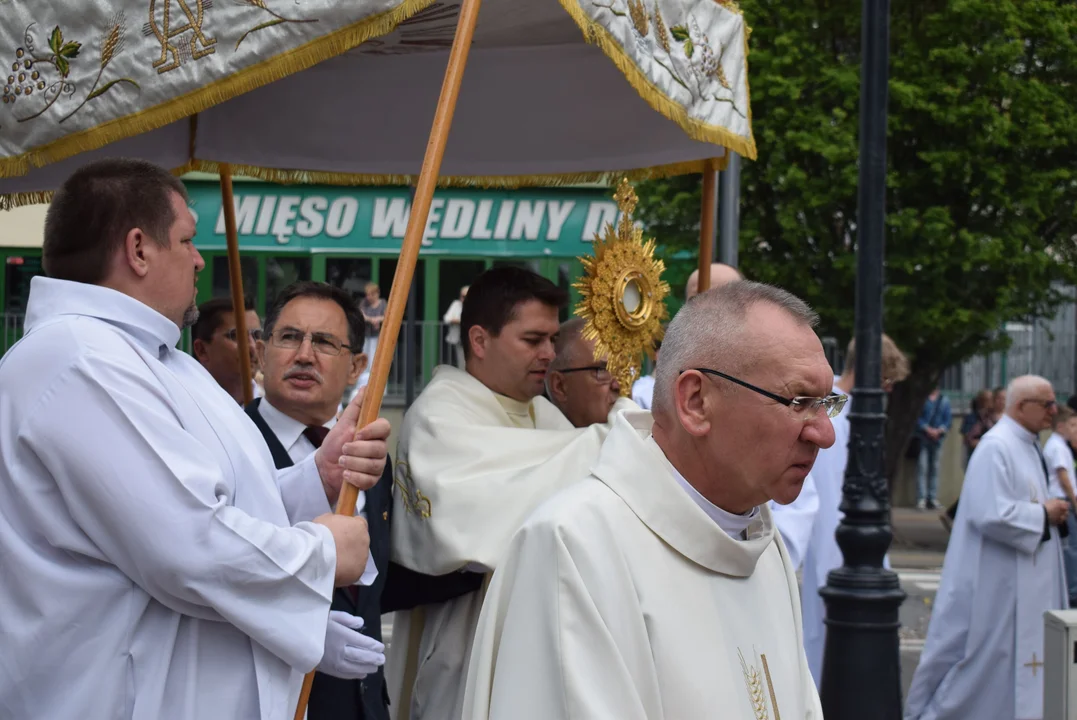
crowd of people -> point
(550, 547)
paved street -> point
(917, 555)
(920, 586)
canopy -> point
(195, 83)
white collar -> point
(286, 428)
(1017, 429)
(733, 525)
(50, 298)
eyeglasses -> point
(1047, 404)
(808, 406)
(323, 343)
(599, 372)
(254, 334)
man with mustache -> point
(312, 351)
(658, 587)
(478, 450)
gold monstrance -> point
(623, 294)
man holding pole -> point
(156, 566)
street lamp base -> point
(862, 661)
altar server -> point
(155, 565)
(1003, 569)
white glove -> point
(348, 653)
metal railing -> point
(426, 339)
(1046, 347)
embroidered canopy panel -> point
(344, 92)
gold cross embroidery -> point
(1034, 664)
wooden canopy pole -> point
(706, 225)
(409, 253)
(235, 274)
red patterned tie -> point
(317, 434)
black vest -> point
(334, 698)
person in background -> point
(828, 475)
(452, 319)
(579, 385)
(373, 309)
(978, 421)
(983, 657)
(934, 422)
(1060, 465)
(215, 346)
(721, 274)
(991, 405)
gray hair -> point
(1023, 388)
(706, 331)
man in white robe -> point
(155, 565)
(479, 449)
(657, 588)
(983, 657)
(823, 553)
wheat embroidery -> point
(755, 688)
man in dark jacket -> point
(311, 352)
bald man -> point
(1003, 570)
(721, 274)
(579, 385)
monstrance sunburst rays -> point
(623, 294)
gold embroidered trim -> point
(413, 499)
(598, 35)
(314, 177)
(770, 686)
(267, 71)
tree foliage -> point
(982, 152)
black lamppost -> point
(861, 663)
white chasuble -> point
(620, 598)
(470, 467)
(984, 652)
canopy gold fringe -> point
(198, 100)
(309, 177)
(507, 182)
(598, 35)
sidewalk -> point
(919, 538)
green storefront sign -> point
(324, 219)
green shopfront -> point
(352, 236)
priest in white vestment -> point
(657, 588)
(983, 657)
(823, 554)
(154, 564)
(479, 450)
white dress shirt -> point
(290, 433)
